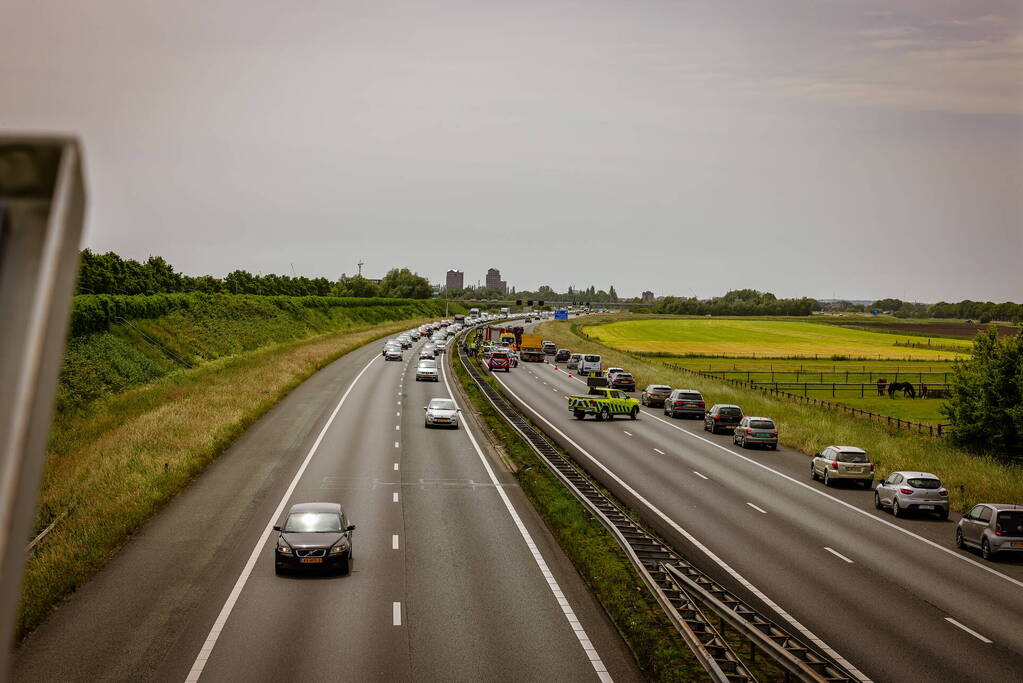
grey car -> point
(994, 528)
(573, 361)
(756, 431)
(688, 402)
(847, 463)
(723, 416)
(392, 353)
(655, 395)
(903, 492)
(427, 371)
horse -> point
(905, 387)
(881, 383)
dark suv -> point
(562, 355)
(623, 381)
(654, 395)
(688, 402)
(722, 416)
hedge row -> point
(96, 312)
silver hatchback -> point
(912, 491)
(993, 528)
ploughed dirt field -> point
(942, 329)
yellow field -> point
(765, 338)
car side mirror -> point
(277, 528)
(351, 527)
(424, 408)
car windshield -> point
(924, 483)
(660, 388)
(852, 456)
(442, 404)
(624, 375)
(761, 424)
(1011, 522)
(305, 522)
(428, 364)
(729, 410)
(591, 359)
(690, 395)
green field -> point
(764, 339)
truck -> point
(505, 311)
(474, 313)
(531, 349)
(603, 403)
(460, 318)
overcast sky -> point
(805, 147)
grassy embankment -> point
(657, 646)
(742, 339)
(152, 426)
(970, 479)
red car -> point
(499, 360)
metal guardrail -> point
(682, 590)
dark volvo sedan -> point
(316, 536)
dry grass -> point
(970, 479)
(107, 463)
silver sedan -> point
(442, 412)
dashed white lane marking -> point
(968, 630)
(838, 554)
(398, 414)
(397, 444)
(626, 433)
(394, 497)
(396, 613)
(397, 428)
(701, 476)
(395, 467)
(758, 509)
(399, 402)
(218, 626)
(566, 608)
(859, 675)
(658, 450)
(394, 541)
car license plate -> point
(1016, 544)
(854, 469)
(311, 560)
(926, 507)
(762, 434)
(441, 419)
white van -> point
(589, 363)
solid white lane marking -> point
(394, 541)
(823, 493)
(838, 554)
(968, 630)
(218, 626)
(566, 608)
(701, 476)
(692, 539)
(658, 450)
(395, 467)
(758, 509)
(626, 433)
(394, 497)
(396, 613)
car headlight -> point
(339, 549)
(284, 549)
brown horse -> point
(905, 387)
(881, 382)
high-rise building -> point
(455, 280)
(648, 297)
(504, 286)
(494, 279)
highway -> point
(892, 597)
(454, 577)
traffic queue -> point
(991, 528)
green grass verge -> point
(971, 479)
(765, 338)
(118, 460)
(659, 650)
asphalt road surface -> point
(892, 597)
(454, 578)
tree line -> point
(981, 311)
(738, 302)
(109, 273)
